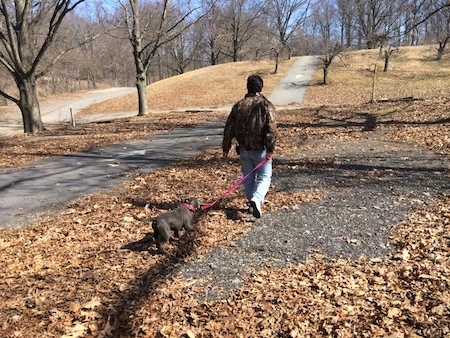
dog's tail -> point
(145, 219)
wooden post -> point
(72, 120)
(373, 83)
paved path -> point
(293, 87)
(47, 184)
(57, 111)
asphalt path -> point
(44, 185)
(59, 111)
(41, 186)
(291, 88)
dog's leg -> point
(159, 235)
(188, 225)
(164, 235)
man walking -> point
(252, 123)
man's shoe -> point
(250, 208)
(256, 206)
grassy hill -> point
(212, 87)
(413, 72)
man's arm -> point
(229, 133)
(271, 132)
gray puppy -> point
(174, 220)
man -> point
(252, 123)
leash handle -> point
(204, 207)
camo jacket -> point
(252, 123)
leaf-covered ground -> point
(87, 271)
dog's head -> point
(191, 203)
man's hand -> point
(269, 156)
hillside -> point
(365, 175)
(211, 87)
(413, 72)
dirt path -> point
(371, 184)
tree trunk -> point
(289, 51)
(277, 59)
(441, 48)
(325, 75)
(212, 58)
(29, 106)
(386, 64)
(235, 50)
(440, 52)
(141, 85)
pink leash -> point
(204, 207)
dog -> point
(174, 220)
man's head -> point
(254, 84)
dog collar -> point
(188, 206)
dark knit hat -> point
(254, 84)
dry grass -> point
(210, 87)
(413, 71)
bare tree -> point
(387, 53)
(381, 22)
(147, 33)
(413, 12)
(325, 23)
(27, 29)
(441, 48)
(377, 20)
(211, 28)
(328, 58)
(441, 29)
(240, 17)
(115, 60)
(285, 18)
(182, 51)
(346, 19)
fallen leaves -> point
(88, 272)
